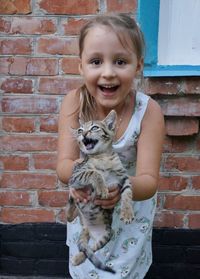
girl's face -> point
(108, 68)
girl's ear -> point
(140, 66)
(80, 67)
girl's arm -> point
(149, 151)
(67, 148)
(68, 151)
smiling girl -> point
(111, 58)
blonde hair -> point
(118, 23)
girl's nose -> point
(108, 71)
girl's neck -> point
(120, 109)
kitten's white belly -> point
(110, 179)
(97, 231)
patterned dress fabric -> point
(129, 252)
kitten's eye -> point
(80, 131)
(95, 128)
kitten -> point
(100, 169)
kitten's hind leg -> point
(83, 241)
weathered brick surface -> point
(69, 6)
(38, 66)
(15, 7)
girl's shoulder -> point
(153, 114)
(154, 108)
(71, 102)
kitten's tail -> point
(96, 262)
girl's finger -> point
(80, 195)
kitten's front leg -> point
(72, 211)
(99, 185)
(127, 214)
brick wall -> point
(38, 66)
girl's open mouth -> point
(108, 88)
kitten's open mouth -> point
(89, 143)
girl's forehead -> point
(97, 32)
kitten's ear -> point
(73, 131)
(111, 120)
(80, 121)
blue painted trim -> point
(148, 19)
(156, 71)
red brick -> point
(173, 183)
(69, 65)
(14, 198)
(4, 65)
(178, 144)
(29, 181)
(57, 46)
(182, 126)
(15, 162)
(28, 143)
(32, 26)
(18, 124)
(18, 215)
(192, 85)
(34, 66)
(169, 86)
(69, 6)
(181, 106)
(182, 163)
(196, 182)
(124, 6)
(17, 85)
(38, 105)
(16, 46)
(58, 85)
(194, 221)
(44, 161)
(4, 25)
(15, 7)
(49, 124)
(169, 219)
(179, 202)
(53, 198)
(72, 26)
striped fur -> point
(100, 169)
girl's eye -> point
(120, 62)
(80, 131)
(95, 62)
(94, 128)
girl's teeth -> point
(108, 88)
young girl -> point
(111, 57)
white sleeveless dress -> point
(129, 251)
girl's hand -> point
(113, 198)
(80, 195)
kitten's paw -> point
(127, 215)
(104, 194)
(78, 259)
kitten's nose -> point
(85, 134)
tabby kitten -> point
(100, 169)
